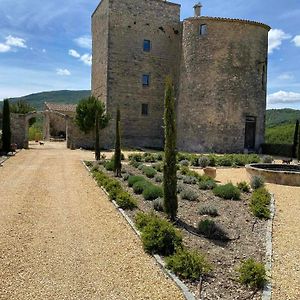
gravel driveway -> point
(60, 238)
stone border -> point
(7, 157)
(184, 289)
(267, 292)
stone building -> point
(219, 68)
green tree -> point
(295, 143)
(91, 115)
(170, 177)
(298, 152)
(6, 130)
(23, 107)
(117, 156)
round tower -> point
(222, 87)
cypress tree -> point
(170, 176)
(6, 131)
(295, 139)
(117, 156)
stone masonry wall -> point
(221, 82)
(130, 22)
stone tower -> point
(219, 67)
(222, 86)
(136, 44)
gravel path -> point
(60, 238)
(286, 235)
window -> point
(144, 109)
(147, 46)
(146, 80)
(203, 29)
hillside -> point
(69, 97)
(280, 125)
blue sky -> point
(46, 45)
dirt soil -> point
(60, 237)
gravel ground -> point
(286, 235)
(60, 238)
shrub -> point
(88, 163)
(149, 171)
(139, 186)
(133, 179)
(158, 167)
(188, 264)
(208, 211)
(194, 160)
(137, 157)
(183, 156)
(158, 235)
(252, 273)
(267, 159)
(212, 160)
(149, 157)
(259, 203)
(159, 156)
(207, 184)
(211, 230)
(109, 165)
(140, 167)
(188, 194)
(152, 192)
(225, 161)
(158, 178)
(180, 187)
(243, 186)
(158, 204)
(189, 180)
(203, 161)
(257, 182)
(125, 176)
(126, 201)
(184, 162)
(227, 191)
(135, 164)
(142, 219)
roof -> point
(230, 20)
(61, 107)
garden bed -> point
(245, 235)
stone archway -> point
(20, 126)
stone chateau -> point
(219, 68)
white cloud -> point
(74, 53)
(63, 72)
(4, 48)
(285, 76)
(15, 42)
(296, 40)
(84, 41)
(44, 50)
(86, 59)
(284, 97)
(276, 36)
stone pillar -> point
(46, 127)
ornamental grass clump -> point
(188, 264)
(189, 180)
(203, 161)
(189, 194)
(227, 191)
(208, 211)
(207, 184)
(152, 192)
(211, 230)
(158, 235)
(158, 204)
(257, 182)
(267, 159)
(149, 171)
(133, 179)
(252, 274)
(260, 202)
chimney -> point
(197, 9)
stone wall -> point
(130, 23)
(18, 125)
(221, 82)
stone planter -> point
(210, 171)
